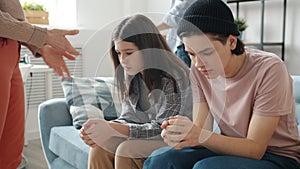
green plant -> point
(241, 23)
(33, 6)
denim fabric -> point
(169, 158)
(183, 55)
(197, 158)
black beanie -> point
(210, 16)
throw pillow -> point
(89, 98)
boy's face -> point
(210, 57)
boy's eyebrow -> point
(208, 49)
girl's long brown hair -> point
(141, 31)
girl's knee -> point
(97, 151)
(138, 148)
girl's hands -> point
(98, 132)
(86, 139)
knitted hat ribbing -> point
(210, 16)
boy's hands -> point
(179, 132)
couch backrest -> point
(296, 86)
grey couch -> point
(61, 143)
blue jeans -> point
(202, 158)
(183, 55)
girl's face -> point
(129, 57)
(210, 57)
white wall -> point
(249, 10)
(97, 18)
(92, 15)
(293, 37)
(160, 6)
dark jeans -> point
(183, 55)
(202, 158)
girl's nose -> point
(122, 57)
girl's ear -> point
(232, 41)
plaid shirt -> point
(145, 112)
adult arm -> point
(21, 30)
(36, 38)
(176, 12)
(172, 17)
(163, 26)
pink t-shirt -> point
(263, 87)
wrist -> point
(39, 53)
(204, 136)
(47, 37)
(42, 50)
(119, 129)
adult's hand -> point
(57, 39)
(54, 58)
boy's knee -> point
(162, 158)
(207, 164)
(216, 163)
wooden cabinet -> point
(36, 17)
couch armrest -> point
(54, 112)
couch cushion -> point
(298, 116)
(59, 163)
(66, 143)
(86, 97)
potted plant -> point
(242, 25)
(35, 13)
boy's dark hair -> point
(212, 17)
(239, 48)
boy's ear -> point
(232, 41)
